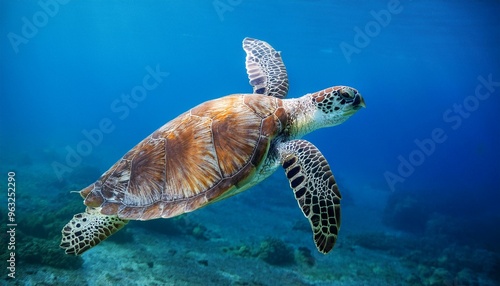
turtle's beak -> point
(359, 102)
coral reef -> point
(242, 250)
(46, 252)
(304, 256)
(274, 251)
(434, 259)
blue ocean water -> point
(429, 72)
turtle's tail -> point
(88, 229)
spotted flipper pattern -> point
(265, 68)
(315, 189)
(88, 229)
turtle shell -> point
(207, 153)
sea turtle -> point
(220, 148)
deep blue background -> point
(420, 63)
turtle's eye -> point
(347, 93)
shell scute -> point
(108, 208)
(191, 164)
(131, 212)
(263, 106)
(93, 197)
(153, 211)
(236, 136)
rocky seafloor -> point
(259, 237)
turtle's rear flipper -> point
(315, 190)
(88, 229)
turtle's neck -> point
(301, 116)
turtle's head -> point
(336, 104)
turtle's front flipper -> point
(315, 189)
(88, 229)
(265, 68)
